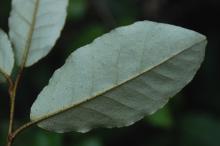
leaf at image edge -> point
(34, 27)
(6, 56)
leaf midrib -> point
(30, 34)
(69, 107)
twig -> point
(22, 128)
(12, 92)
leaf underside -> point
(6, 56)
(35, 25)
(121, 77)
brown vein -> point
(22, 17)
(118, 102)
(99, 113)
(30, 34)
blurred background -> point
(192, 118)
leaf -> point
(6, 56)
(121, 77)
(35, 25)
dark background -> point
(192, 118)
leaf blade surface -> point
(121, 77)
